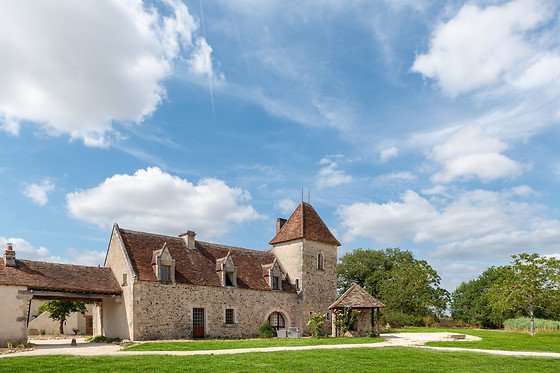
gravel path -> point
(83, 348)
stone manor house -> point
(155, 286)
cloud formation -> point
(480, 47)
(24, 250)
(473, 225)
(329, 176)
(38, 192)
(75, 67)
(155, 201)
(470, 152)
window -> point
(229, 316)
(320, 261)
(124, 279)
(164, 273)
(297, 283)
(275, 283)
(229, 279)
(276, 320)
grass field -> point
(390, 359)
(246, 343)
(498, 340)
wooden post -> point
(378, 335)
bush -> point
(266, 330)
(396, 319)
(43, 331)
(344, 319)
(316, 324)
(76, 331)
(102, 339)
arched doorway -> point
(277, 320)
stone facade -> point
(295, 278)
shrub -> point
(10, 345)
(344, 319)
(396, 319)
(102, 339)
(76, 331)
(42, 332)
(316, 324)
(266, 330)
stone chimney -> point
(279, 224)
(188, 236)
(9, 256)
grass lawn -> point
(498, 340)
(390, 359)
(246, 343)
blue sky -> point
(425, 125)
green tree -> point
(529, 282)
(60, 309)
(408, 286)
(470, 302)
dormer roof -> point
(305, 223)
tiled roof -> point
(59, 277)
(356, 297)
(305, 223)
(197, 266)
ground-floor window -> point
(276, 320)
(229, 316)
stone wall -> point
(13, 308)
(166, 310)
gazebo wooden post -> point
(378, 322)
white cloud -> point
(286, 206)
(388, 153)
(436, 189)
(397, 176)
(480, 47)
(329, 176)
(75, 67)
(155, 201)
(477, 224)
(24, 250)
(38, 192)
(86, 257)
(470, 152)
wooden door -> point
(89, 324)
(198, 322)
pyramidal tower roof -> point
(305, 223)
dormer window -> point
(163, 265)
(274, 274)
(164, 273)
(227, 270)
(320, 261)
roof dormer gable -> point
(227, 270)
(163, 264)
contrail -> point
(210, 73)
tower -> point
(307, 252)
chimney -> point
(279, 224)
(188, 236)
(9, 256)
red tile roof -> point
(197, 266)
(305, 223)
(59, 277)
(356, 297)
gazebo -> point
(357, 298)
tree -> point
(408, 286)
(60, 309)
(470, 302)
(529, 282)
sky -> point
(431, 126)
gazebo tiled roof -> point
(356, 297)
